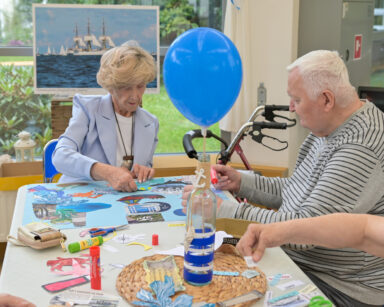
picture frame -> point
(69, 41)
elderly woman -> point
(111, 137)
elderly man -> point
(340, 168)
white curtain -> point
(240, 22)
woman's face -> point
(127, 99)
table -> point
(24, 269)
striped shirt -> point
(343, 172)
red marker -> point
(155, 239)
(95, 268)
(214, 179)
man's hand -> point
(258, 237)
(7, 300)
(142, 173)
(228, 178)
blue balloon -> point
(202, 75)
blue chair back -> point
(49, 170)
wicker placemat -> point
(132, 278)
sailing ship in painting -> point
(85, 45)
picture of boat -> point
(89, 44)
(69, 41)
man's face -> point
(127, 99)
(308, 110)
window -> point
(377, 69)
(16, 83)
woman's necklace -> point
(127, 159)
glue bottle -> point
(94, 252)
(78, 246)
(201, 227)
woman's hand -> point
(120, 178)
(142, 173)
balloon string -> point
(204, 142)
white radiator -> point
(7, 205)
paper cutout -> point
(110, 248)
(157, 270)
(85, 298)
(65, 284)
(250, 273)
(146, 247)
(177, 225)
(308, 289)
(60, 262)
(125, 238)
(290, 285)
(77, 270)
(163, 291)
(283, 277)
(225, 273)
(280, 297)
(276, 279)
(250, 262)
(117, 265)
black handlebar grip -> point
(187, 141)
(269, 125)
(274, 107)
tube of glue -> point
(78, 246)
(214, 179)
(94, 252)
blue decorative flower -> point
(163, 291)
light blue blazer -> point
(91, 137)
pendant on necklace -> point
(127, 162)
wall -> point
(274, 28)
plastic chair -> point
(49, 170)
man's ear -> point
(329, 100)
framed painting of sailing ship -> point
(69, 41)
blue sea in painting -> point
(71, 71)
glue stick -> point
(94, 252)
(78, 246)
(214, 179)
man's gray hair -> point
(325, 70)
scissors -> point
(100, 231)
(319, 301)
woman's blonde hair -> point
(125, 66)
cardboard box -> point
(234, 227)
(14, 175)
(21, 169)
